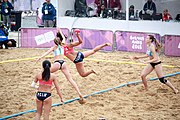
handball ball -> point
(77, 30)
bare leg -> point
(81, 70)
(168, 83)
(55, 67)
(47, 108)
(158, 69)
(148, 69)
(39, 109)
(69, 78)
(97, 48)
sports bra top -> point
(149, 53)
(68, 50)
(59, 51)
(42, 82)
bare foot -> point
(82, 100)
(146, 89)
(176, 91)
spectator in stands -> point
(99, 4)
(4, 38)
(115, 4)
(6, 8)
(131, 11)
(80, 7)
(49, 14)
(102, 12)
(149, 7)
(0, 10)
(0, 4)
(177, 17)
(166, 15)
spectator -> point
(0, 10)
(150, 7)
(49, 14)
(80, 7)
(99, 4)
(102, 12)
(177, 17)
(131, 11)
(166, 15)
(6, 11)
(4, 38)
(0, 4)
(115, 4)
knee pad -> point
(162, 80)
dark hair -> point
(57, 41)
(3, 25)
(46, 73)
(157, 44)
(59, 35)
(132, 6)
(102, 4)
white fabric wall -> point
(170, 28)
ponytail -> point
(46, 73)
(59, 36)
(158, 46)
(57, 41)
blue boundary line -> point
(86, 96)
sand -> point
(126, 103)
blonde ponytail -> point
(157, 44)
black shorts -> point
(42, 95)
(60, 62)
(79, 57)
(154, 64)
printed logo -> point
(44, 38)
